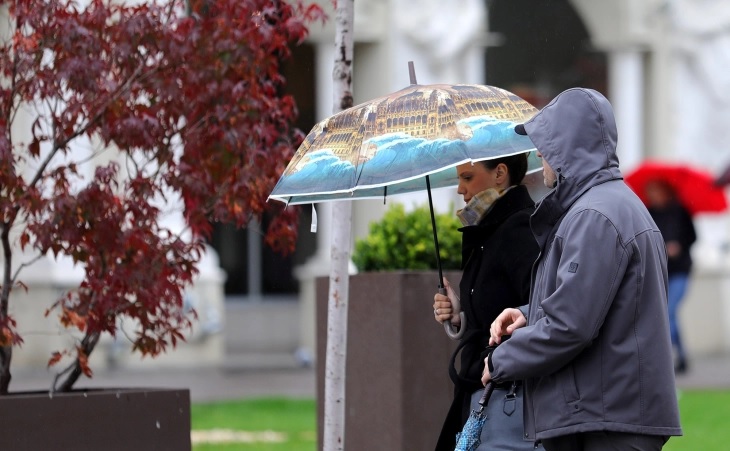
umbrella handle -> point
(453, 332)
(488, 389)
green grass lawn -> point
(291, 424)
(705, 418)
(255, 425)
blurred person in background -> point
(675, 223)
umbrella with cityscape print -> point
(408, 141)
(388, 145)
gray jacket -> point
(596, 353)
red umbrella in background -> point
(696, 189)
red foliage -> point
(190, 102)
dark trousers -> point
(605, 441)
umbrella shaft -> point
(435, 236)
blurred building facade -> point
(662, 63)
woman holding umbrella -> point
(498, 250)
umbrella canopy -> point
(388, 145)
(695, 189)
(410, 140)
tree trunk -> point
(6, 350)
(76, 369)
(334, 408)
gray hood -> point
(576, 134)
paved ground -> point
(205, 384)
(709, 372)
(208, 384)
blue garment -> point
(676, 290)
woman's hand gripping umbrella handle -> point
(455, 333)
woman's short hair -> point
(516, 166)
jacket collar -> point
(555, 203)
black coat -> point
(497, 257)
(675, 223)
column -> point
(253, 261)
(626, 90)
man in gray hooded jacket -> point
(593, 344)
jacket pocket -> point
(566, 380)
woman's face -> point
(657, 194)
(475, 178)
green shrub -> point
(403, 240)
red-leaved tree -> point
(166, 100)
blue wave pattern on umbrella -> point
(322, 165)
(395, 141)
(402, 157)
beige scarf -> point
(479, 206)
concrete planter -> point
(104, 419)
(397, 386)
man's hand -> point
(486, 377)
(507, 322)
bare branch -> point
(23, 265)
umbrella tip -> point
(412, 72)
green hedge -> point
(404, 241)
